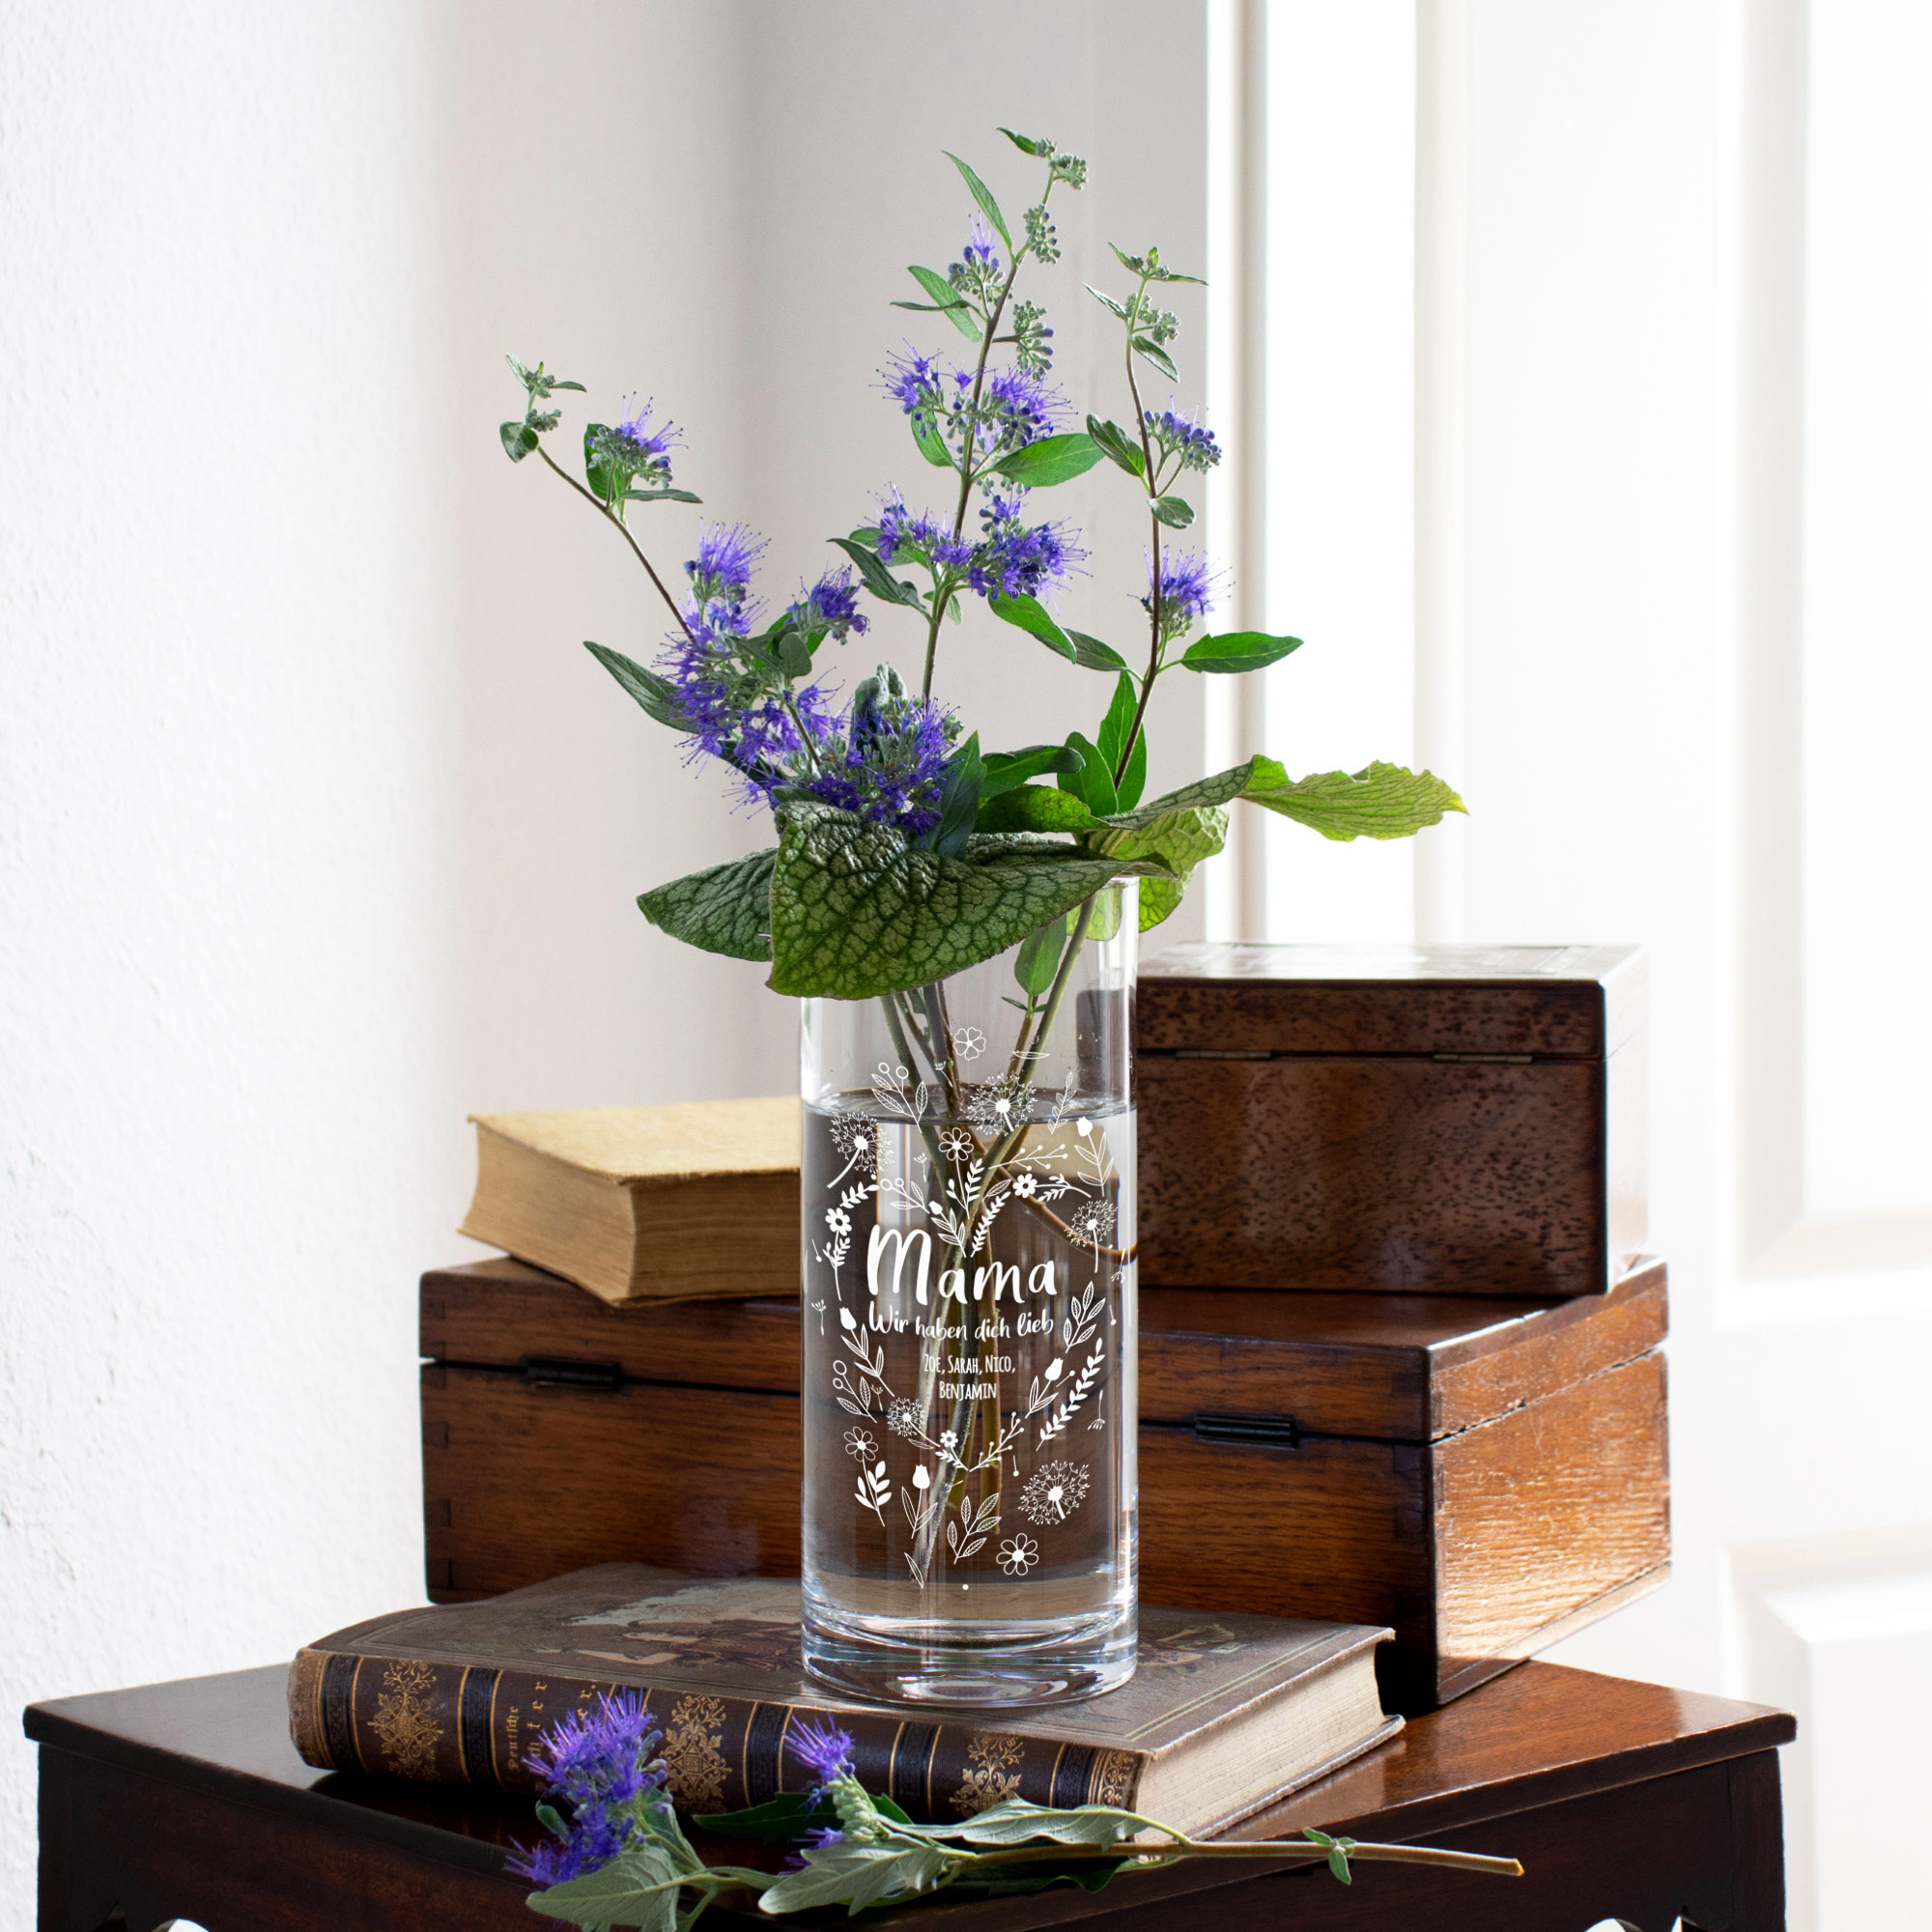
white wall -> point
(318, 828)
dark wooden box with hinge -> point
(1484, 1474)
(1444, 1120)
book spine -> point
(449, 1723)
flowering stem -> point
(603, 510)
(1146, 457)
(1254, 1848)
(966, 473)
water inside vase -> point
(969, 1398)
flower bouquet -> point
(960, 924)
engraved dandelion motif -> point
(1054, 1492)
(1091, 1224)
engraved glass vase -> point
(969, 1354)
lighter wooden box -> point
(1487, 1475)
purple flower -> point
(1185, 436)
(825, 1749)
(721, 570)
(816, 1838)
(1018, 408)
(629, 450)
(922, 538)
(915, 381)
(1188, 588)
(1017, 560)
(832, 604)
(601, 1763)
(892, 767)
(982, 261)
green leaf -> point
(1176, 512)
(1038, 807)
(878, 579)
(724, 909)
(1146, 345)
(655, 693)
(778, 1821)
(1053, 458)
(932, 444)
(946, 297)
(1153, 270)
(1115, 443)
(1380, 801)
(639, 1888)
(1113, 741)
(1100, 295)
(959, 800)
(1234, 651)
(1038, 961)
(1026, 144)
(606, 479)
(1160, 899)
(1030, 614)
(857, 912)
(661, 497)
(983, 195)
(1092, 784)
(519, 439)
(858, 1875)
(1091, 653)
(1014, 1821)
(795, 654)
(1006, 769)
(1177, 838)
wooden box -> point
(1444, 1119)
(1484, 1474)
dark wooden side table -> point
(1622, 1800)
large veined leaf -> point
(857, 912)
(724, 909)
(1380, 801)
(1179, 840)
(1179, 837)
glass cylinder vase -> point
(969, 1322)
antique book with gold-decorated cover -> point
(1224, 1715)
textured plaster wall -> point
(317, 828)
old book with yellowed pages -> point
(1225, 1712)
(646, 1204)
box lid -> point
(1231, 1363)
(1578, 1001)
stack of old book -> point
(1394, 1298)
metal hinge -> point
(1273, 1431)
(549, 1372)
